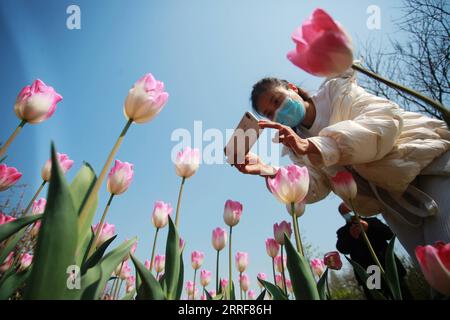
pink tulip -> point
(25, 261)
(251, 295)
(289, 286)
(279, 230)
(8, 177)
(203, 297)
(7, 263)
(278, 263)
(5, 219)
(161, 213)
(333, 260)
(318, 266)
(272, 247)
(290, 184)
(223, 284)
(36, 103)
(132, 250)
(244, 282)
(39, 206)
(64, 162)
(145, 99)
(120, 177)
(197, 258)
(181, 244)
(131, 280)
(232, 212)
(123, 270)
(205, 277)
(35, 230)
(212, 293)
(322, 47)
(190, 289)
(344, 185)
(299, 209)
(434, 261)
(279, 281)
(147, 264)
(108, 230)
(219, 238)
(160, 263)
(261, 276)
(241, 261)
(187, 162)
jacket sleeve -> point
(344, 241)
(379, 229)
(367, 129)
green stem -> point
(153, 250)
(273, 270)
(98, 183)
(230, 279)
(217, 272)
(177, 216)
(328, 288)
(435, 104)
(193, 288)
(116, 296)
(112, 288)
(282, 271)
(30, 204)
(298, 240)
(366, 239)
(12, 137)
(93, 245)
(240, 287)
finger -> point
(269, 124)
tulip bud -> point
(145, 100)
(279, 281)
(181, 244)
(261, 276)
(344, 185)
(278, 265)
(7, 263)
(160, 263)
(36, 103)
(205, 277)
(161, 213)
(232, 212)
(318, 266)
(299, 209)
(241, 261)
(8, 177)
(251, 294)
(147, 264)
(272, 247)
(25, 261)
(106, 232)
(244, 281)
(39, 206)
(187, 162)
(64, 162)
(279, 230)
(197, 258)
(5, 219)
(120, 177)
(123, 270)
(219, 239)
(333, 260)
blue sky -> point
(209, 54)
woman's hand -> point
(254, 165)
(290, 139)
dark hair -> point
(269, 83)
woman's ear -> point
(293, 87)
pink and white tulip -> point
(205, 277)
(434, 260)
(161, 213)
(278, 264)
(272, 247)
(5, 219)
(25, 261)
(344, 185)
(181, 244)
(318, 266)
(160, 263)
(145, 99)
(123, 270)
(8, 177)
(323, 48)
(64, 162)
(212, 293)
(147, 264)
(241, 261)
(37, 102)
(333, 260)
(120, 177)
(290, 184)
(107, 231)
(232, 212)
(261, 276)
(197, 258)
(7, 263)
(187, 162)
(279, 230)
(223, 284)
(219, 238)
(244, 282)
(279, 281)
(290, 289)
(130, 284)
(39, 206)
(251, 294)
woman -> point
(400, 160)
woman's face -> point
(270, 100)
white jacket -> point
(383, 143)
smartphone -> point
(244, 137)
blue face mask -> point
(290, 113)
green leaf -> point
(233, 291)
(180, 278)
(275, 291)
(97, 255)
(57, 241)
(13, 282)
(150, 289)
(208, 296)
(218, 297)
(80, 188)
(10, 244)
(8, 229)
(376, 294)
(303, 282)
(129, 295)
(391, 271)
(321, 285)
(262, 295)
(95, 279)
(173, 254)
